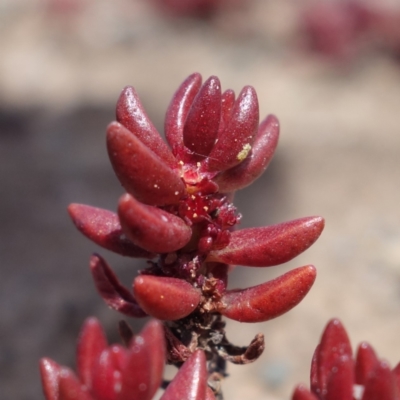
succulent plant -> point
(336, 374)
(178, 214)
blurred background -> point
(329, 70)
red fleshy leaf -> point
(366, 361)
(382, 384)
(257, 161)
(209, 394)
(227, 103)
(131, 114)
(141, 172)
(113, 293)
(234, 143)
(341, 379)
(149, 227)
(334, 344)
(302, 393)
(70, 388)
(178, 111)
(268, 300)
(314, 379)
(91, 343)
(103, 227)
(396, 373)
(201, 126)
(142, 373)
(50, 375)
(270, 245)
(158, 296)
(107, 377)
(190, 382)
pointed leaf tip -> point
(149, 227)
(116, 296)
(334, 344)
(140, 171)
(270, 245)
(366, 361)
(190, 383)
(268, 300)
(103, 228)
(50, 375)
(158, 296)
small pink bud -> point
(268, 300)
(103, 227)
(141, 172)
(165, 298)
(111, 290)
(131, 114)
(150, 227)
(91, 343)
(178, 111)
(190, 382)
(270, 245)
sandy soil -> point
(60, 75)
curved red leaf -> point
(257, 161)
(202, 122)
(234, 143)
(131, 114)
(153, 229)
(141, 172)
(103, 227)
(116, 296)
(268, 300)
(270, 245)
(178, 110)
(158, 296)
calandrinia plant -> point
(178, 214)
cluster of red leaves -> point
(177, 213)
(115, 372)
(342, 29)
(178, 206)
(336, 375)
